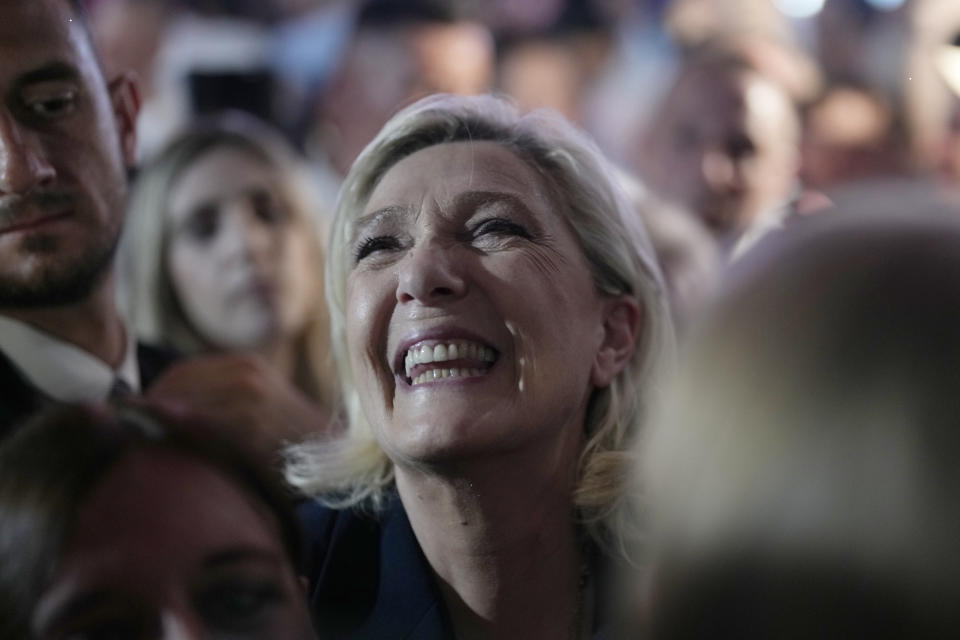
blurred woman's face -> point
(166, 547)
(473, 322)
(239, 261)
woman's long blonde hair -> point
(354, 470)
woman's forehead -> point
(445, 171)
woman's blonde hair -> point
(354, 469)
(147, 292)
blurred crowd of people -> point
(734, 113)
(687, 265)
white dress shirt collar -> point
(62, 370)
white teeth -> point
(425, 356)
(439, 374)
(446, 352)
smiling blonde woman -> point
(498, 319)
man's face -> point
(65, 140)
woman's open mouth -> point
(432, 360)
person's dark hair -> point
(50, 467)
(394, 13)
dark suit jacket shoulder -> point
(368, 577)
(19, 399)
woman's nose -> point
(718, 169)
(181, 624)
(246, 235)
(431, 273)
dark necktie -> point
(120, 389)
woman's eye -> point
(239, 606)
(499, 227)
(203, 224)
(267, 209)
(111, 625)
(110, 630)
(374, 244)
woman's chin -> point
(462, 437)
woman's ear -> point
(621, 328)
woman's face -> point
(239, 261)
(166, 547)
(472, 319)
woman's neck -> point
(503, 546)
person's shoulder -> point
(19, 399)
(325, 527)
(342, 562)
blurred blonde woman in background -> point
(223, 256)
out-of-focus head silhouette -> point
(803, 473)
(688, 256)
(135, 522)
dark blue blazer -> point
(368, 576)
(370, 580)
(19, 399)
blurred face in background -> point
(850, 135)
(239, 260)
(725, 146)
(167, 547)
(385, 69)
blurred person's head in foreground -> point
(401, 50)
(804, 476)
(724, 143)
(132, 522)
(223, 252)
(497, 314)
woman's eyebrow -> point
(380, 216)
(242, 555)
(75, 604)
(477, 199)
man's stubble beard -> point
(57, 283)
